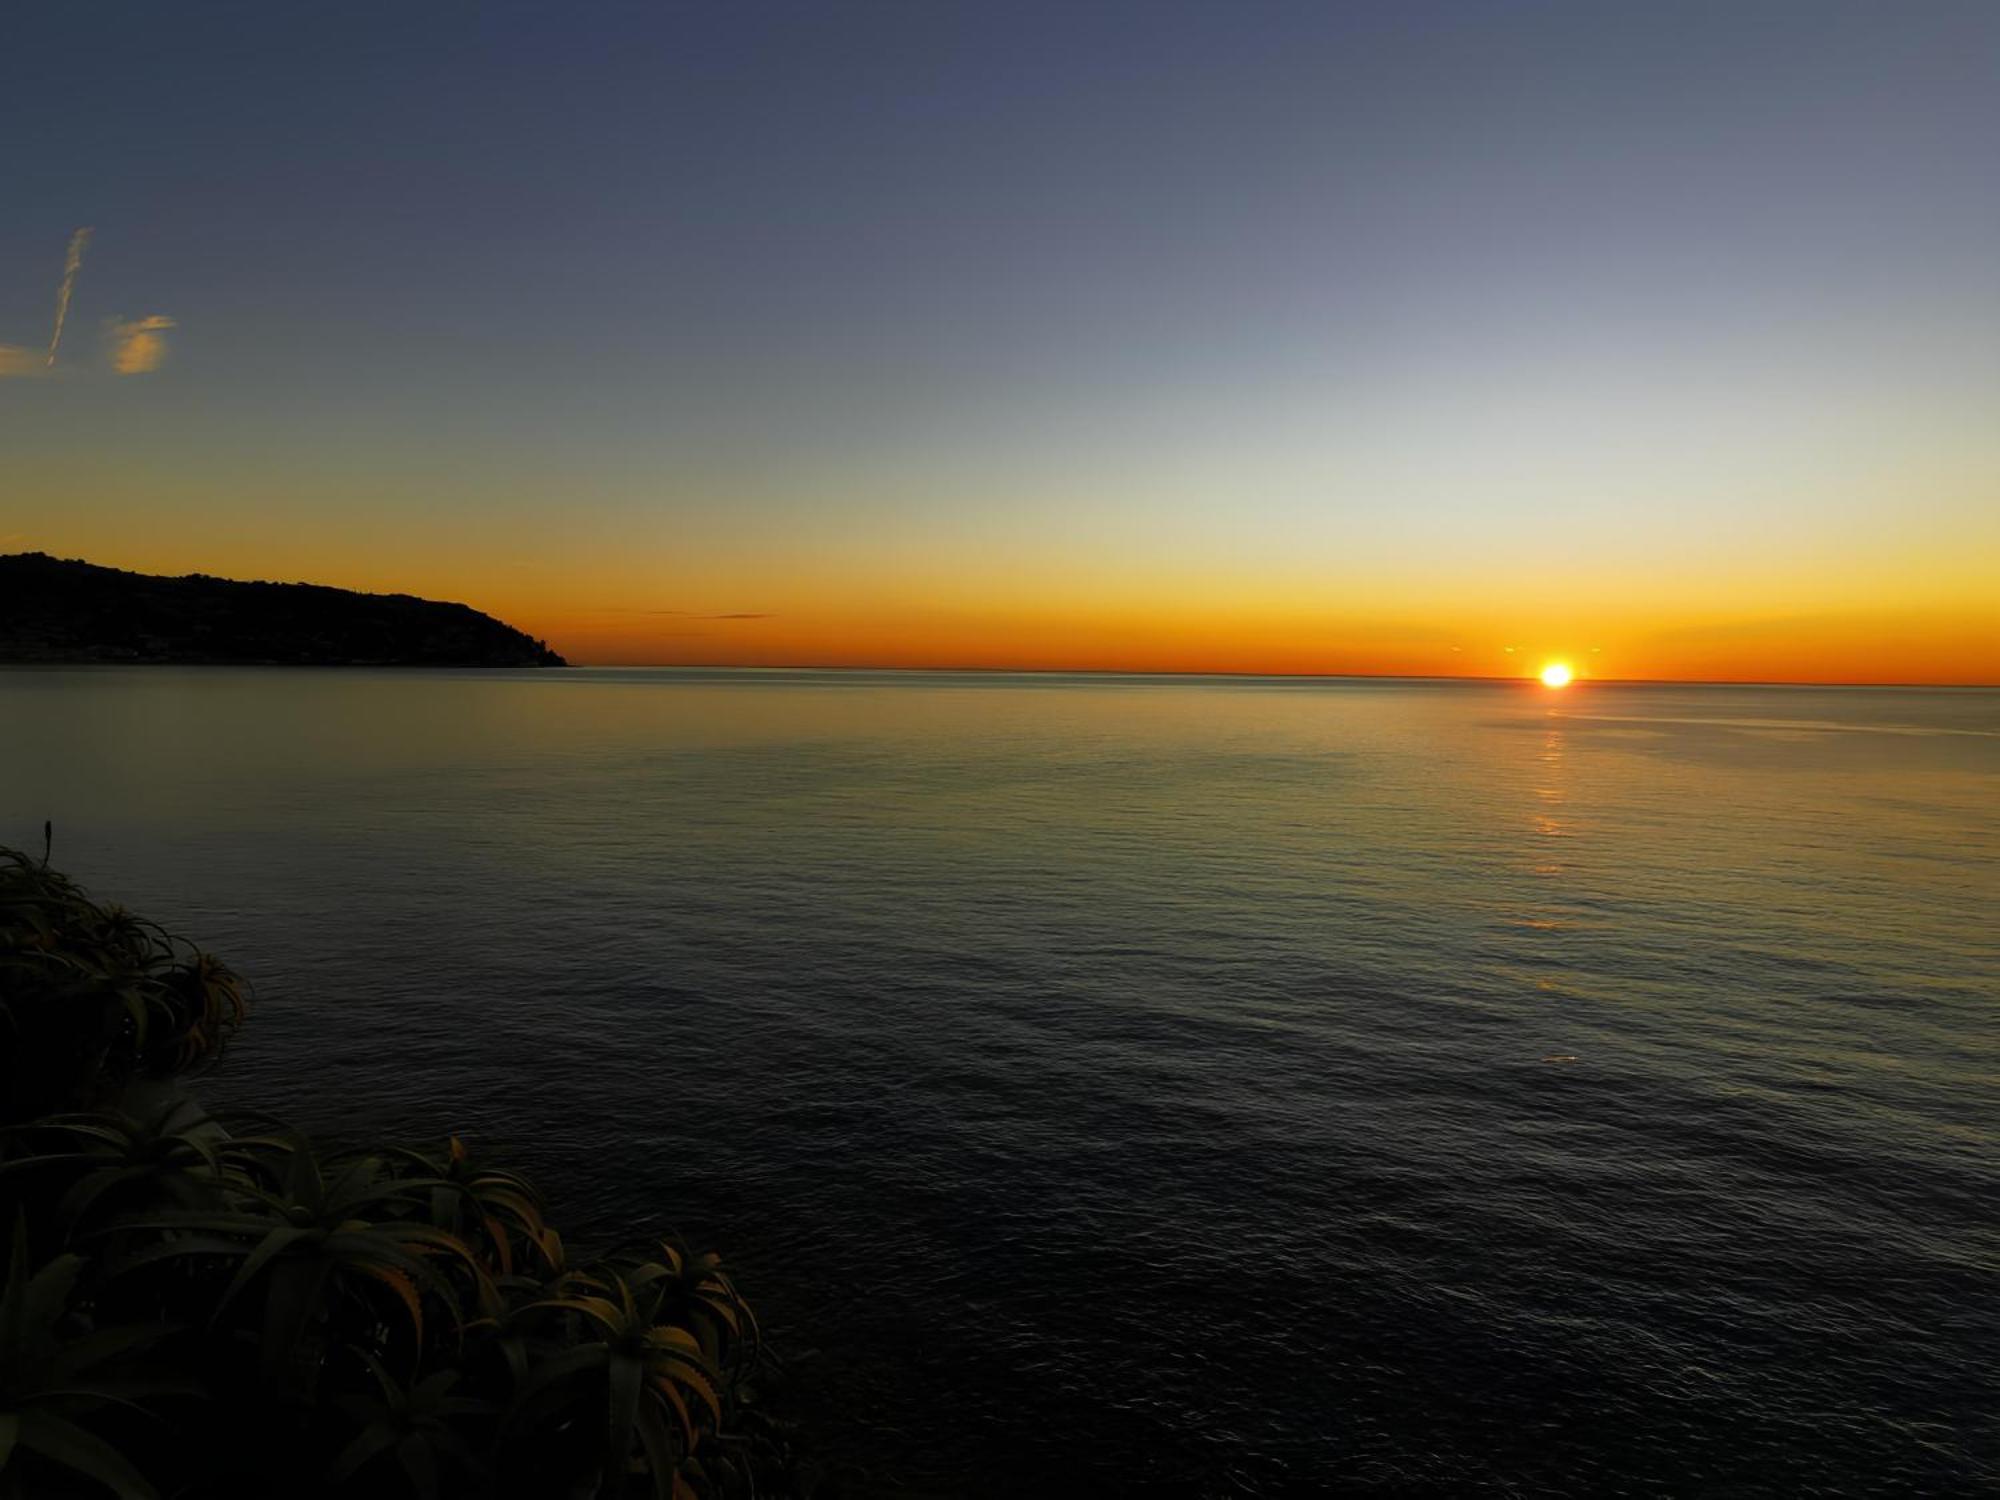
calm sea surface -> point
(1157, 1086)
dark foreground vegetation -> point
(59, 610)
(199, 1310)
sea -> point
(1154, 1085)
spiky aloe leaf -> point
(82, 1452)
(78, 1356)
(76, 1203)
(656, 1443)
(268, 1249)
(376, 1438)
(405, 1290)
(557, 1368)
(664, 1389)
(419, 1465)
(14, 1298)
(47, 1296)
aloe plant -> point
(93, 997)
(495, 1210)
(85, 1166)
(305, 1239)
(59, 1376)
(421, 1426)
(656, 1389)
(367, 1321)
(696, 1292)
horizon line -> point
(1526, 679)
(1529, 677)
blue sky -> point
(1027, 310)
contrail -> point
(72, 263)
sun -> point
(1556, 674)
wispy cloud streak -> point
(615, 609)
(72, 263)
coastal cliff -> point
(62, 610)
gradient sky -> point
(1238, 336)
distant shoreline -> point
(67, 612)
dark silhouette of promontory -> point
(60, 610)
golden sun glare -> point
(1556, 674)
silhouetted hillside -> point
(57, 610)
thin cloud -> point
(72, 263)
(614, 609)
(139, 347)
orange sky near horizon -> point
(1348, 339)
(600, 609)
(1856, 651)
(1916, 647)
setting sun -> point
(1556, 674)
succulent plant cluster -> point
(199, 1309)
(94, 999)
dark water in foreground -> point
(1182, 1087)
